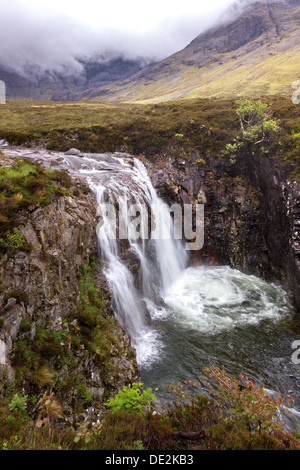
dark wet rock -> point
(63, 238)
(251, 212)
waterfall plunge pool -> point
(220, 316)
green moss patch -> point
(23, 188)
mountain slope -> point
(254, 54)
(57, 87)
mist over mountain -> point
(38, 40)
(51, 56)
(60, 87)
(254, 51)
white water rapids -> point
(205, 299)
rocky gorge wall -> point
(251, 211)
(47, 322)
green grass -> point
(97, 127)
(239, 417)
(204, 126)
(138, 129)
(23, 188)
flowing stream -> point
(182, 318)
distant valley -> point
(57, 87)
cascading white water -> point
(161, 260)
(123, 182)
(171, 256)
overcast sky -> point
(53, 34)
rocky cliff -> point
(57, 326)
(57, 329)
(251, 212)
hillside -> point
(253, 51)
(56, 87)
(254, 54)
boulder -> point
(75, 152)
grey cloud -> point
(33, 42)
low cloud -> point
(34, 41)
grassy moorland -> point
(104, 127)
(240, 416)
(176, 128)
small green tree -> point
(257, 123)
(258, 128)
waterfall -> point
(139, 271)
(160, 261)
(182, 319)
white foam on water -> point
(212, 299)
(207, 299)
